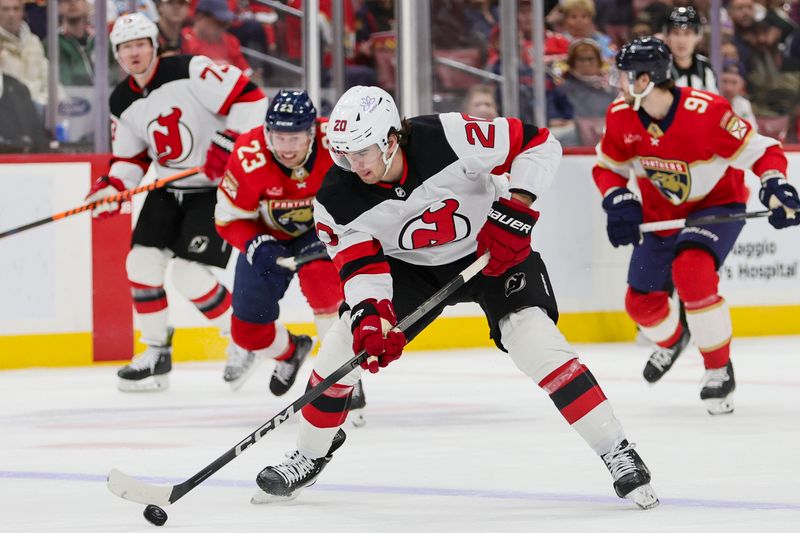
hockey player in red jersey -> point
(407, 207)
(264, 209)
(170, 114)
(687, 149)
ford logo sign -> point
(74, 107)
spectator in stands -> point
(480, 102)
(22, 53)
(20, 130)
(75, 44)
(482, 16)
(36, 17)
(642, 27)
(374, 16)
(579, 24)
(742, 14)
(116, 8)
(683, 34)
(731, 86)
(585, 84)
(774, 86)
(207, 36)
(173, 17)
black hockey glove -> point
(781, 197)
(624, 216)
(263, 252)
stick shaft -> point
(119, 197)
(664, 225)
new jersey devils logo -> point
(515, 283)
(437, 225)
(172, 139)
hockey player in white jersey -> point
(409, 205)
(172, 113)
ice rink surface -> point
(454, 441)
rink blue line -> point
(429, 491)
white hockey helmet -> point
(131, 27)
(363, 116)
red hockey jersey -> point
(683, 163)
(258, 195)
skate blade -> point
(237, 383)
(357, 419)
(261, 497)
(719, 406)
(644, 496)
(148, 384)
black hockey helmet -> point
(684, 18)
(291, 111)
(646, 54)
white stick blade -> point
(126, 487)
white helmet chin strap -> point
(388, 160)
(637, 98)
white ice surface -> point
(454, 441)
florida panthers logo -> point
(172, 139)
(437, 225)
(671, 177)
(294, 217)
(515, 283)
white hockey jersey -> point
(170, 122)
(454, 167)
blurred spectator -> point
(374, 16)
(773, 84)
(729, 51)
(20, 130)
(642, 27)
(742, 14)
(450, 28)
(207, 36)
(731, 86)
(22, 54)
(36, 17)
(683, 34)
(482, 16)
(75, 44)
(480, 102)
(657, 10)
(579, 24)
(585, 84)
(616, 18)
(115, 8)
(173, 17)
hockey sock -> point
(322, 417)
(583, 405)
(267, 340)
(216, 305)
(150, 304)
(658, 319)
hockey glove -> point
(506, 235)
(218, 152)
(262, 253)
(624, 216)
(372, 322)
(104, 187)
(779, 196)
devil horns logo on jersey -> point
(172, 139)
(437, 225)
(515, 283)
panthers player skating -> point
(165, 114)
(264, 209)
(687, 149)
(405, 209)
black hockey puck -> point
(155, 515)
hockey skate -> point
(283, 482)
(662, 358)
(631, 476)
(286, 371)
(149, 371)
(357, 404)
(717, 389)
(241, 364)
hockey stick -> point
(679, 223)
(293, 263)
(132, 489)
(121, 196)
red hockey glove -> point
(104, 187)
(506, 235)
(372, 323)
(218, 152)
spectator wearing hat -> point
(207, 36)
(732, 86)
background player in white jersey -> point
(164, 116)
(653, 133)
(405, 209)
(683, 35)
